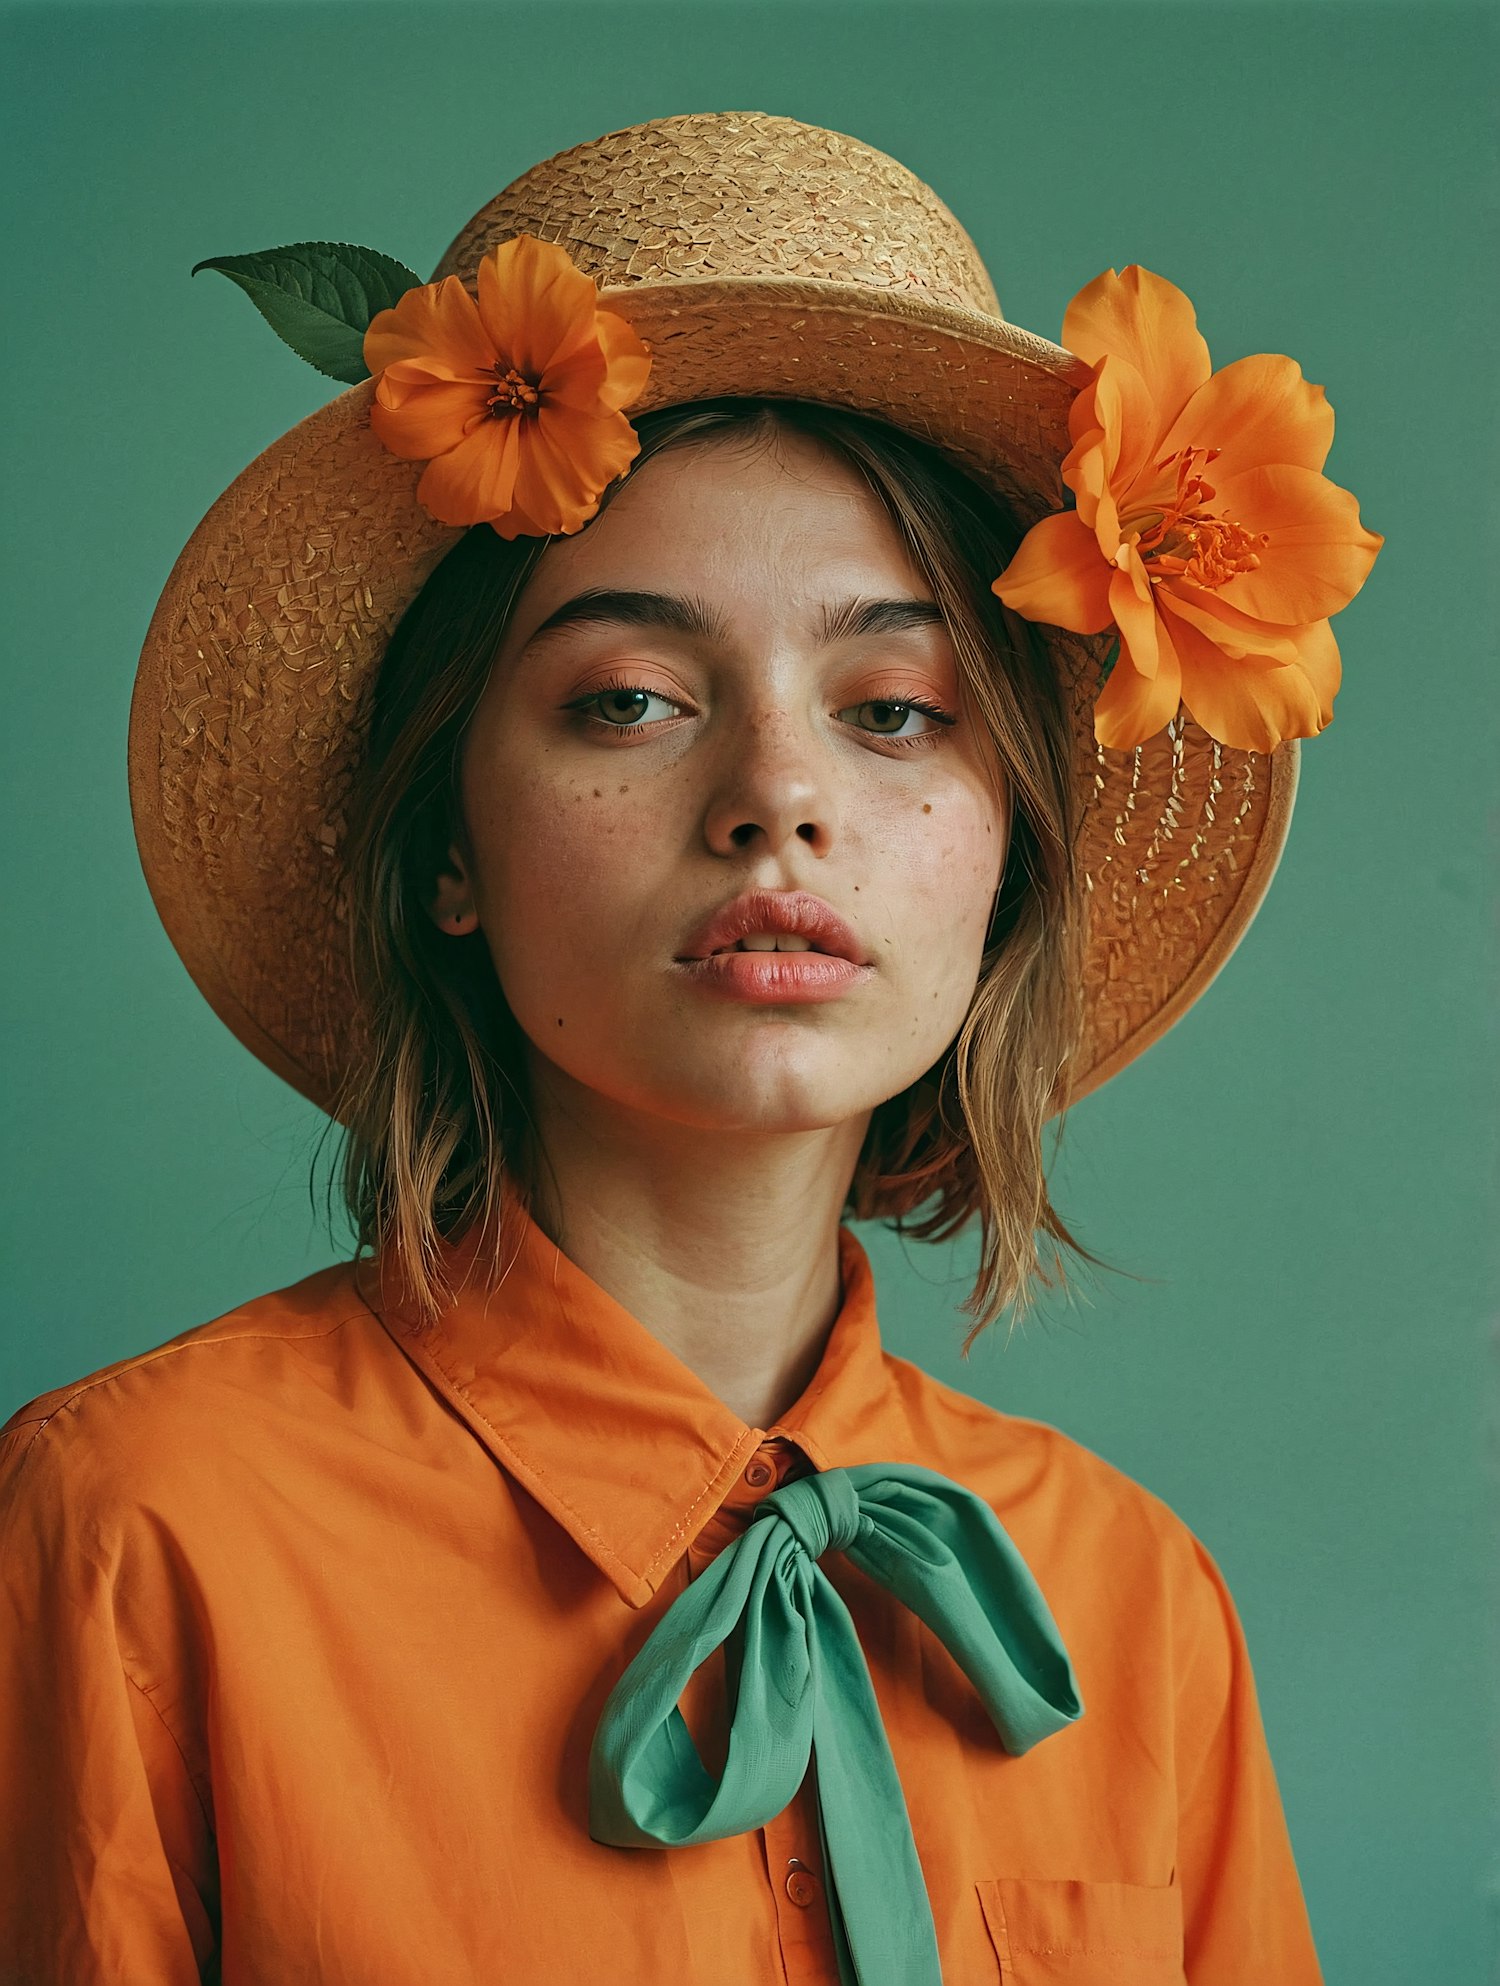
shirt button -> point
(759, 1474)
(802, 1887)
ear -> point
(451, 906)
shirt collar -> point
(606, 1427)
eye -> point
(890, 715)
(620, 706)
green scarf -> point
(800, 1685)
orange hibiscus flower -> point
(1203, 530)
(514, 401)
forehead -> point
(782, 518)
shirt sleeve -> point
(100, 1824)
(1244, 1914)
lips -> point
(792, 913)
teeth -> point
(772, 941)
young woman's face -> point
(631, 772)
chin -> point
(729, 1096)
(779, 1075)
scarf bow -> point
(799, 1685)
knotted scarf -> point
(800, 1685)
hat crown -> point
(727, 194)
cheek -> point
(547, 841)
(952, 862)
(561, 865)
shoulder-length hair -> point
(438, 1133)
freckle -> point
(624, 788)
(597, 794)
(926, 806)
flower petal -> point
(1132, 707)
(627, 356)
(1058, 575)
(420, 421)
(403, 377)
(590, 379)
(567, 459)
(517, 523)
(1114, 428)
(1255, 411)
(1321, 664)
(436, 320)
(1261, 644)
(535, 303)
(1148, 322)
(1253, 709)
(578, 380)
(1134, 613)
(1085, 470)
(475, 481)
(1319, 555)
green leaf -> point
(319, 297)
(1106, 668)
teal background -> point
(1300, 1171)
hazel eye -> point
(622, 706)
(889, 716)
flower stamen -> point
(1180, 538)
(514, 394)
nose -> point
(773, 783)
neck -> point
(723, 1244)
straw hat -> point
(755, 255)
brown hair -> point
(438, 1132)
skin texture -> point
(700, 1149)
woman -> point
(656, 838)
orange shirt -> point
(307, 1617)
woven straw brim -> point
(249, 702)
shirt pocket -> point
(1060, 1932)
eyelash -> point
(621, 686)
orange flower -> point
(513, 402)
(1203, 530)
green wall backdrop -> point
(1299, 1172)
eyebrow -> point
(857, 617)
(617, 607)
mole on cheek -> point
(926, 806)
